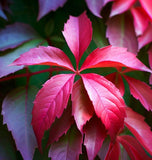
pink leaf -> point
(150, 62)
(78, 34)
(116, 79)
(44, 56)
(120, 6)
(60, 126)
(82, 107)
(68, 147)
(133, 147)
(113, 152)
(45, 6)
(107, 101)
(120, 32)
(50, 102)
(95, 134)
(139, 128)
(141, 91)
(96, 6)
(147, 5)
(111, 56)
(140, 20)
(146, 37)
(16, 110)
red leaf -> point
(140, 20)
(146, 37)
(96, 6)
(147, 5)
(139, 128)
(82, 107)
(150, 62)
(95, 134)
(78, 34)
(44, 56)
(120, 32)
(133, 147)
(120, 6)
(16, 110)
(141, 91)
(116, 79)
(68, 147)
(111, 56)
(45, 6)
(113, 152)
(60, 126)
(50, 102)
(107, 102)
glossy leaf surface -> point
(82, 108)
(107, 101)
(150, 62)
(78, 34)
(139, 128)
(16, 110)
(50, 102)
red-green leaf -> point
(133, 147)
(82, 108)
(111, 56)
(44, 56)
(50, 102)
(107, 101)
(61, 125)
(68, 147)
(139, 128)
(141, 91)
(120, 32)
(95, 134)
(16, 110)
(150, 62)
(78, 34)
(15, 34)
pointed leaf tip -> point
(78, 34)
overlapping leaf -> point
(44, 56)
(50, 102)
(150, 62)
(107, 101)
(82, 108)
(17, 108)
(111, 56)
(139, 128)
(133, 147)
(120, 32)
(68, 147)
(141, 91)
(78, 33)
(45, 6)
(95, 134)
(16, 34)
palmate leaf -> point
(139, 128)
(78, 34)
(120, 32)
(107, 101)
(133, 147)
(16, 110)
(16, 34)
(50, 102)
(45, 6)
(95, 134)
(111, 56)
(68, 147)
(82, 108)
(141, 91)
(44, 56)
(96, 6)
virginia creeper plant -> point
(77, 96)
